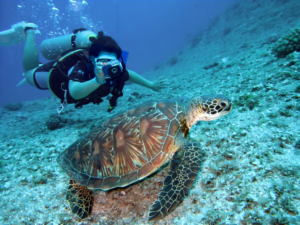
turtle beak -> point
(228, 109)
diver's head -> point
(105, 56)
(105, 52)
(104, 46)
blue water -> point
(151, 31)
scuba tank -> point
(53, 48)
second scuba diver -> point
(85, 67)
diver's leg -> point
(38, 77)
(30, 55)
(29, 75)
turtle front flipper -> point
(80, 200)
(183, 171)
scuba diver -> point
(85, 67)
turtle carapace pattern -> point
(134, 144)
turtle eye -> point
(223, 104)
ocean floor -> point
(251, 157)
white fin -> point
(16, 34)
(22, 82)
(38, 32)
(11, 37)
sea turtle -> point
(134, 144)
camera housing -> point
(112, 69)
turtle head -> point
(207, 108)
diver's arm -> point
(155, 86)
(81, 90)
(137, 79)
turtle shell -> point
(126, 148)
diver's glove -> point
(110, 108)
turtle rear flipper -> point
(183, 171)
(80, 200)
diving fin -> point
(16, 34)
(22, 82)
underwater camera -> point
(112, 69)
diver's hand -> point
(99, 74)
(159, 84)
